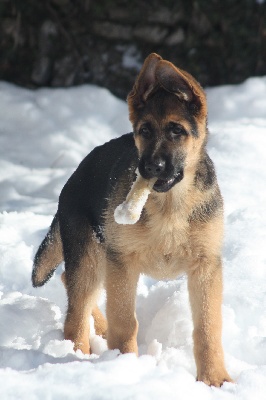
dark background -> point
(61, 43)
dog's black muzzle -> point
(163, 185)
(168, 175)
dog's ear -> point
(181, 83)
(145, 82)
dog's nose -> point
(155, 168)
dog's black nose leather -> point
(154, 168)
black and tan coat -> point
(180, 229)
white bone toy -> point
(130, 210)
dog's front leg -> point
(121, 284)
(205, 291)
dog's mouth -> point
(163, 185)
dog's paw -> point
(214, 378)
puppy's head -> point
(168, 111)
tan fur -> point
(166, 245)
(121, 287)
(83, 290)
(100, 323)
(174, 235)
(179, 248)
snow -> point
(44, 134)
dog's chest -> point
(167, 250)
(160, 250)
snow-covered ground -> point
(43, 136)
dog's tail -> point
(48, 256)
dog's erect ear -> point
(146, 80)
(181, 83)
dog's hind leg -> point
(81, 300)
(83, 279)
(82, 290)
(100, 323)
(121, 284)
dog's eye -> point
(145, 132)
(177, 130)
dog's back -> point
(86, 195)
(89, 188)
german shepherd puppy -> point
(180, 229)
